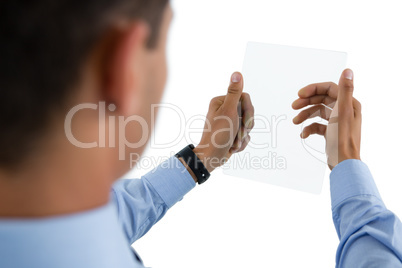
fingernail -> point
(236, 77)
(349, 74)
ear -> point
(124, 67)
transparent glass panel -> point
(277, 155)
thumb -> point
(234, 91)
(345, 94)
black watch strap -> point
(194, 163)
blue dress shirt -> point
(100, 238)
(370, 235)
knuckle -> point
(311, 85)
(358, 105)
(328, 101)
(348, 86)
(332, 84)
(212, 103)
(214, 99)
(233, 89)
(246, 96)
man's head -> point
(58, 54)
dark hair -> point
(43, 45)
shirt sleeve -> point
(143, 202)
(370, 235)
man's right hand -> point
(336, 104)
(229, 121)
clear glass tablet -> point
(273, 75)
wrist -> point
(194, 163)
(188, 169)
(205, 157)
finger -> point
(329, 88)
(358, 108)
(216, 103)
(314, 128)
(317, 99)
(345, 95)
(241, 135)
(247, 111)
(317, 110)
(242, 146)
(234, 91)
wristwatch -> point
(194, 163)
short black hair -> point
(43, 45)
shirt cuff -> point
(171, 181)
(351, 178)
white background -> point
(232, 222)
